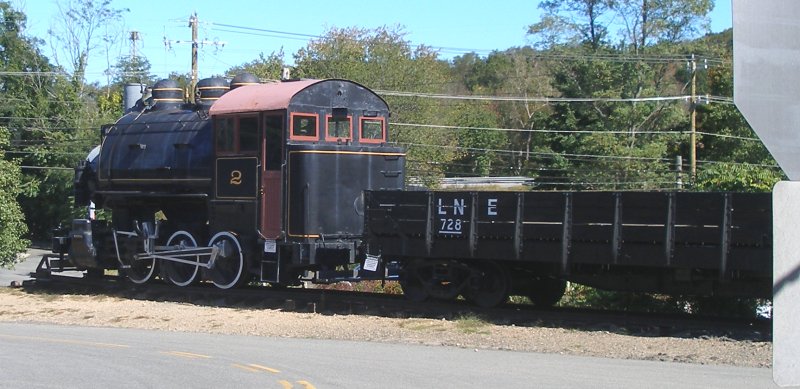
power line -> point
(525, 130)
(531, 99)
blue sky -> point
(463, 25)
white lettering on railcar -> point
(450, 223)
(491, 207)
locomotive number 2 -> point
(236, 177)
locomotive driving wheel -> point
(181, 274)
(226, 271)
(141, 270)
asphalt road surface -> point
(22, 270)
(48, 356)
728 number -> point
(451, 226)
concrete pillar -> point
(786, 284)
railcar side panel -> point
(721, 237)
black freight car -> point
(487, 245)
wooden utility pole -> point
(693, 134)
(193, 25)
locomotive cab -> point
(292, 160)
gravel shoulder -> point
(18, 305)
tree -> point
(51, 126)
(620, 145)
(382, 59)
(570, 22)
(82, 26)
(12, 221)
(646, 23)
(264, 67)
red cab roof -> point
(259, 97)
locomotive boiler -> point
(262, 181)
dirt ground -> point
(17, 305)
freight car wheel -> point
(181, 274)
(226, 272)
(489, 285)
(412, 283)
(546, 292)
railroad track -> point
(389, 305)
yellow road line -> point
(306, 384)
(246, 368)
(269, 369)
(186, 355)
(65, 341)
(285, 384)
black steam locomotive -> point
(261, 181)
(295, 180)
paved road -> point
(47, 356)
(22, 270)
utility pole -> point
(134, 38)
(193, 26)
(194, 23)
(693, 134)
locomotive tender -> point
(296, 180)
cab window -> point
(236, 135)
(226, 135)
(339, 128)
(304, 126)
(248, 134)
(372, 130)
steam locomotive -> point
(251, 181)
(296, 180)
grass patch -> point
(472, 324)
(421, 325)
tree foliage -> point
(81, 28)
(12, 220)
(264, 67)
(382, 59)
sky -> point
(453, 26)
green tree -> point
(607, 143)
(383, 60)
(81, 28)
(264, 67)
(12, 220)
(570, 22)
(51, 125)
